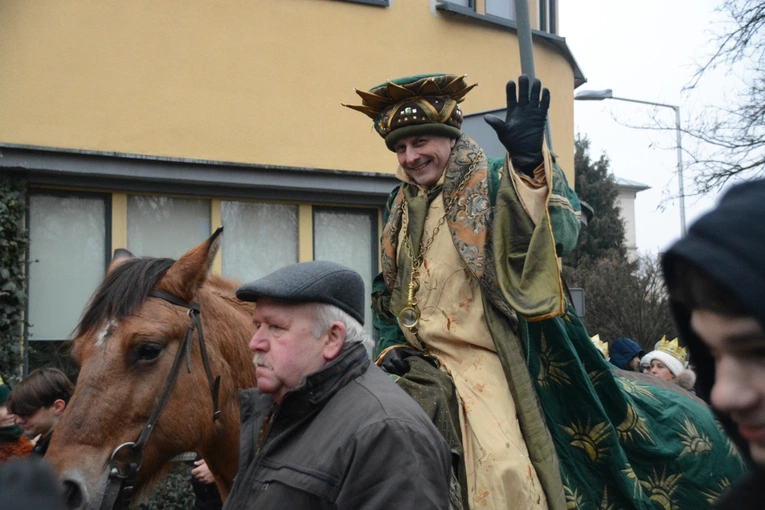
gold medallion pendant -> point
(409, 317)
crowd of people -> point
(485, 390)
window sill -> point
(470, 13)
(378, 3)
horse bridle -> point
(127, 458)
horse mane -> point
(123, 291)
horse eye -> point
(148, 352)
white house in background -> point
(627, 191)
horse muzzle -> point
(81, 494)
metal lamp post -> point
(599, 95)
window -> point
(258, 238)
(68, 250)
(501, 8)
(164, 226)
(348, 237)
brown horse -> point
(126, 347)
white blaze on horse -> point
(161, 345)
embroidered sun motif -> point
(637, 490)
(662, 488)
(694, 442)
(604, 505)
(633, 422)
(713, 495)
(573, 498)
(588, 439)
(636, 388)
(550, 370)
(732, 450)
(596, 376)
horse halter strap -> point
(194, 315)
(121, 482)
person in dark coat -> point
(625, 354)
(716, 280)
(326, 428)
(13, 442)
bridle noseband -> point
(127, 458)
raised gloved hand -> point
(393, 360)
(522, 131)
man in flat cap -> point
(321, 429)
(470, 308)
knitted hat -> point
(673, 364)
(623, 350)
(415, 105)
(319, 281)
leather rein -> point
(126, 460)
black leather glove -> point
(522, 132)
(393, 361)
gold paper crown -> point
(673, 348)
(600, 345)
(414, 103)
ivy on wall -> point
(13, 244)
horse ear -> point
(190, 271)
(120, 256)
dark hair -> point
(695, 289)
(123, 290)
(41, 388)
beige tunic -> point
(499, 472)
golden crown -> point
(424, 100)
(673, 347)
(600, 345)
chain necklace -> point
(409, 316)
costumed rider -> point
(472, 320)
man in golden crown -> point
(472, 320)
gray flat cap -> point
(319, 281)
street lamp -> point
(599, 95)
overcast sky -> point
(648, 51)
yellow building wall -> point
(250, 81)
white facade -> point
(628, 190)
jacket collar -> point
(315, 390)
(320, 386)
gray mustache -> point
(260, 359)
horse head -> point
(149, 376)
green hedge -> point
(174, 492)
(13, 244)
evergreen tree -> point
(604, 234)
